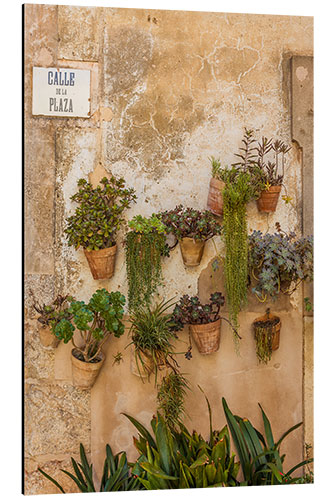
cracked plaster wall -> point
(169, 89)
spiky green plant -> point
(116, 474)
(152, 335)
(260, 458)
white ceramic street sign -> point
(61, 92)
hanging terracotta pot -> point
(47, 337)
(101, 262)
(215, 198)
(142, 364)
(192, 251)
(267, 335)
(85, 374)
(207, 336)
(268, 199)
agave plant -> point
(260, 458)
(172, 459)
(116, 474)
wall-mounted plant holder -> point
(207, 336)
(47, 337)
(85, 374)
(102, 262)
(267, 335)
(268, 199)
(192, 251)
(142, 364)
(215, 197)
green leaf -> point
(157, 471)
(52, 480)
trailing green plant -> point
(99, 214)
(237, 193)
(95, 321)
(152, 334)
(171, 396)
(116, 474)
(145, 245)
(279, 262)
(51, 314)
(172, 459)
(190, 223)
(264, 332)
(259, 456)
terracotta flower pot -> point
(137, 368)
(192, 251)
(268, 199)
(47, 338)
(215, 198)
(85, 374)
(207, 336)
(101, 262)
(267, 331)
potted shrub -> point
(151, 333)
(95, 322)
(204, 320)
(96, 222)
(192, 229)
(278, 262)
(267, 335)
(145, 245)
(216, 186)
(49, 317)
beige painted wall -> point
(169, 89)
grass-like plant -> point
(171, 398)
(145, 245)
(152, 335)
(116, 474)
(95, 321)
(99, 214)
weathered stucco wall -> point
(169, 89)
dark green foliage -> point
(260, 457)
(190, 223)
(171, 459)
(96, 321)
(170, 397)
(50, 315)
(152, 335)
(145, 245)
(99, 214)
(116, 474)
(189, 310)
(279, 262)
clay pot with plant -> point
(267, 335)
(49, 316)
(278, 263)
(192, 228)
(96, 221)
(145, 245)
(152, 335)
(204, 321)
(266, 176)
(216, 186)
(95, 322)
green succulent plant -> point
(95, 321)
(51, 314)
(99, 214)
